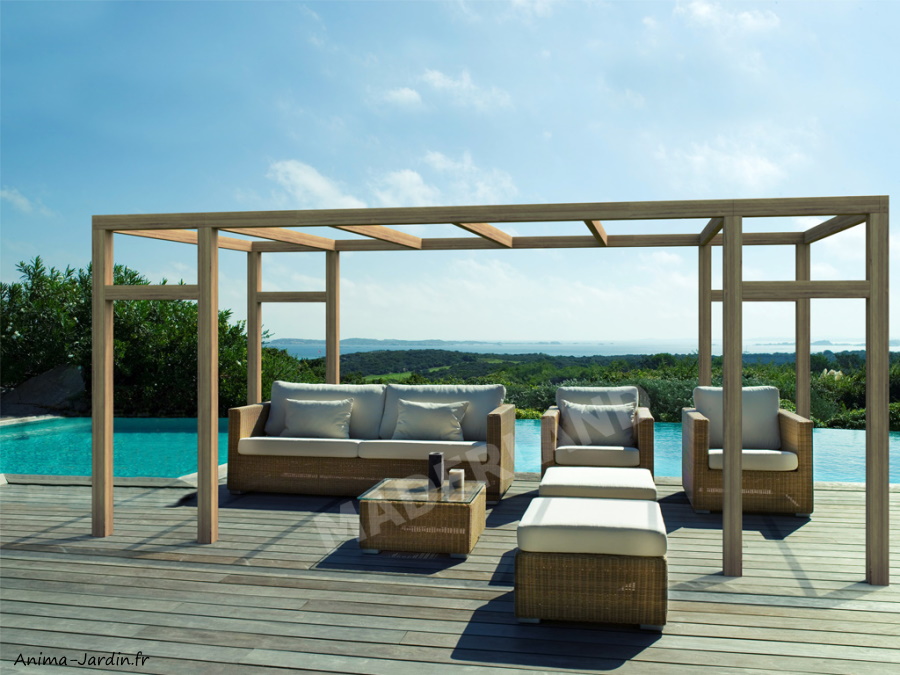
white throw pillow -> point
(598, 424)
(422, 421)
(317, 419)
(759, 418)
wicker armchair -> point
(777, 474)
(610, 435)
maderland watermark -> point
(82, 660)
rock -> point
(58, 390)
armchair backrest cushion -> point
(482, 399)
(759, 426)
(607, 419)
(365, 413)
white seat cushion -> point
(365, 416)
(757, 460)
(759, 416)
(597, 482)
(597, 455)
(482, 399)
(467, 451)
(581, 525)
(298, 447)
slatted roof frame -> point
(724, 228)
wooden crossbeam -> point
(152, 292)
(832, 226)
(384, 234)
(290, 296)
(597, 230)
(188, 237)
(487, 231)
(778, 291)
(287, 236)
(713, 227)
(765, 239)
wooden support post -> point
(254, 328)
(803, 385)
(208, 387)
(102, 386)
(732, 380)
(877, 399)
(332, 317)
(704, 351)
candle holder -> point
(435, 470)
(457, 479)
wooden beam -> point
(288, 236)
(292, 296)
(596, 228)
(153, 292)
(790, 291)
(704, 351)
(489, 232)
(188, 237)
(102, 352)
(254, 328)
(832, 226)
(384, 234)
(732, 380)
(877, 400)
(713, 227)
(803, 386)
(333, 318)
(208, 388)
(766, 239)
(509, 213)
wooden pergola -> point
(724, 228)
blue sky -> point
(143, 107)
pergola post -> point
(332, 317)
(254, 327)
(208, 386)
(732, 380)
(704, 350)
(102, 348)
(877, 400)
(802, 339)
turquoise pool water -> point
(168, 448)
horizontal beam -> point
(713, 227)
(510, 213)
(384, 234)
(291, 296)
(765, 239)
(189, 237)
(288, 237)
(152, 292)
(788, 291)
(489, 232)
(596, 228)
(832, 226)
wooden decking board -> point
(286, 589)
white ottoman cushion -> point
(598, 482)
(600, 526)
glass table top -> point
(417, 490)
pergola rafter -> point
(724, 228)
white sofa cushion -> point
(454, 451)
(586, 481)
(757, 460)
(482, 398)
(597, 455)
(759, 414)
(298, 447)
(582, 525)
(365, 417)
(317, 419)
(582, 424)
(429, 421)
(598, 395)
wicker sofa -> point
(389, 434)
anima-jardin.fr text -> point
(85, 659)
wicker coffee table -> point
(403, 514)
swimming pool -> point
(167, 448)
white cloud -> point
(464, 92)
(22, 203)
(533, 9)
(403, 97)
(469, 184)
(404, 188)
(717, 17)
(309, 188)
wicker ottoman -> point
(596, 560)
(595, 481)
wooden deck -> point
(286, 589)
